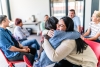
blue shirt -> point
(6, 42)
(55, 41)
(77, 22)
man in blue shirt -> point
(12, 49)
(76, 19)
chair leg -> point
(11, 65)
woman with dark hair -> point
(21, 35)
(51, 25)
(75, 52)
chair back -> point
(27, 61)
(10, 63)
(4, 56)
(95, 47)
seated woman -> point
(21, 35)
(51, 24)
(75, 52)
(42, 24)
(93, 32)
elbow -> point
(54, 59)
(95, 38)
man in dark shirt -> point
(12, 49)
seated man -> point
(93, 32)
(21, 35)
(76, 20)
(12, 49)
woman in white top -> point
(93, 32)
(75, 52)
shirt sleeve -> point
(64, 49)
(26, 32)
(90, 25)
(42, 26)
(4, 43)
(78, 22)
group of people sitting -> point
(62, 46)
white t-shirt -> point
(95, 28)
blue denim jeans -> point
(33, 43)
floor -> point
(3, 62)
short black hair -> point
(72, 10)
(51, 23)
(2, 18)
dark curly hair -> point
(51, 23)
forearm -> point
(59, 53)
(85, 34)
(21, 46)
(15, 49)
(92, 38)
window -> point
(60, 8)
(78, 5)
(1, 8)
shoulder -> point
(69, 43)
(76, 17)
(17, 28)
(99, 23)
(42, 23)
(1, 32)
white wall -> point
(24, 9)
(87, 13)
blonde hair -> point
(97, 13)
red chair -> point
(96, 48)
(27, 61)
(10, 63)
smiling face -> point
(94, 18)
(71, 14)
(61, 25)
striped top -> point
(95, 28)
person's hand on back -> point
(50, 33)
